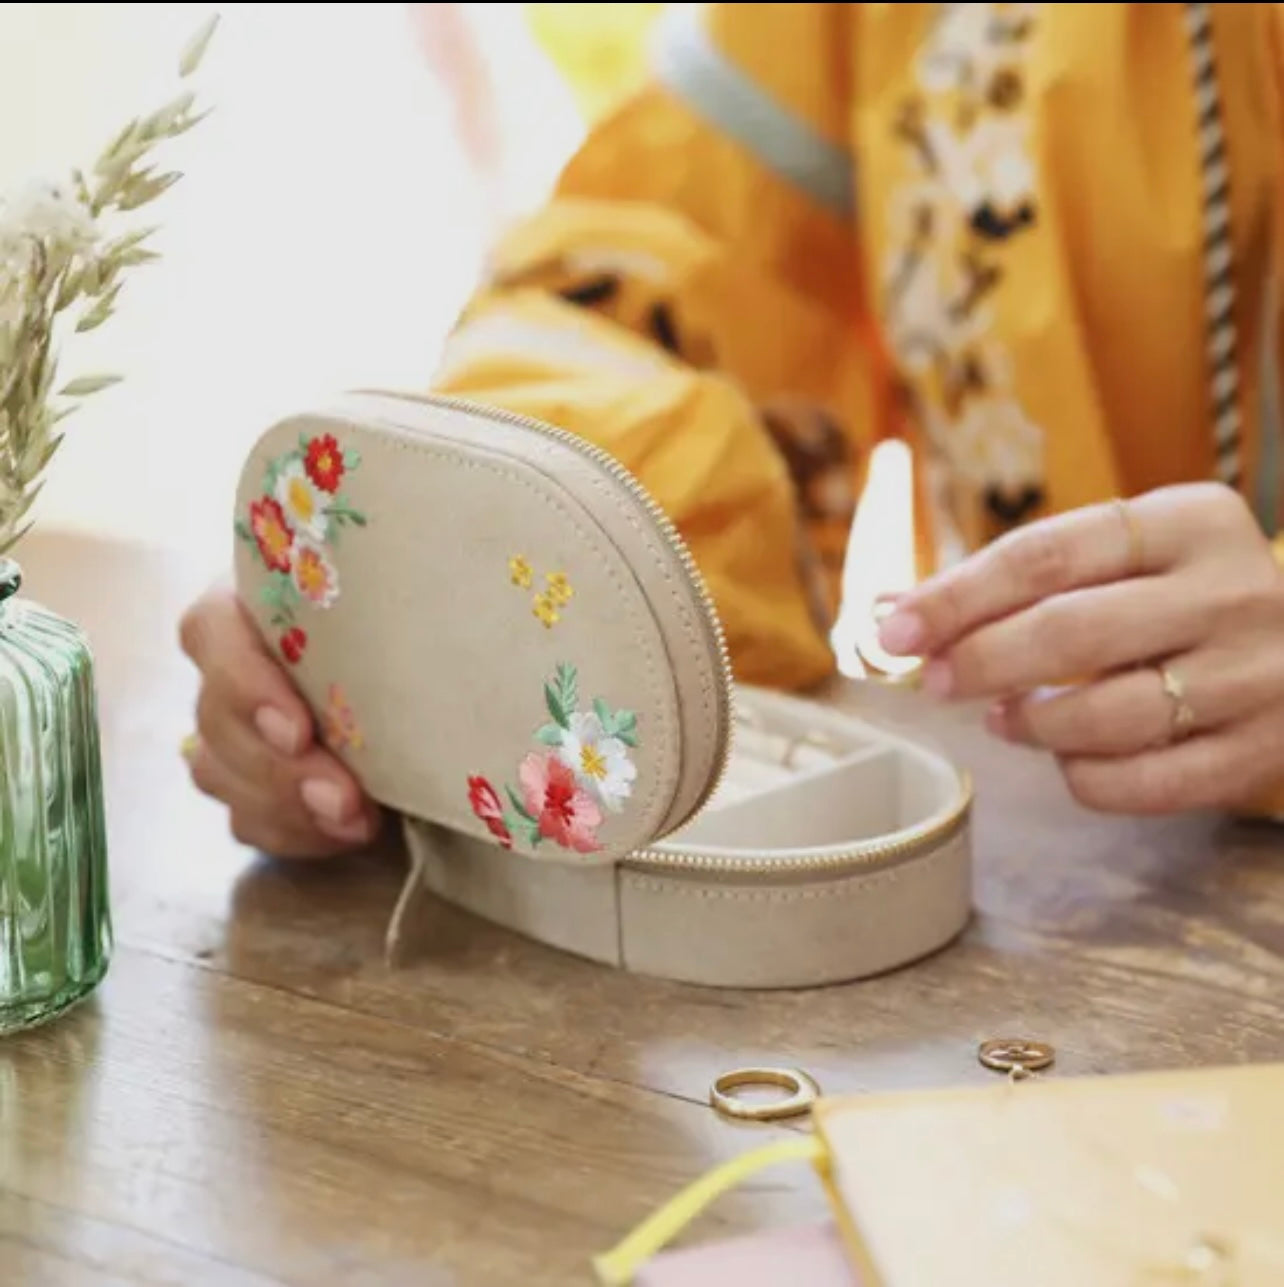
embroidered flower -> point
(487, 805)
(562, 811)
(563, 790)
(546, 610)
(559, 590)
(323, 463)
(600, 762)
(520, 572)
(293, 645)
(271, 533)
(303, 502)
(340, 724)
(315, 577)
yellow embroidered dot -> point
(546, 610)
(559, 588)
(521, 573)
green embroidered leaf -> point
(243, 531)
(523, 830)
(342, 512)
(604, 716)
(568, 687)
(304, 443)
(626, 728)
(553, 700)
(549, 735)
(519, 804)
(282, 615)
(351, 458)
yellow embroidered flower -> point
(546, 610)
(559, 588)
(521, 572)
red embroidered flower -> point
(487, 805)
(324, 463)
(293, 644)
(272, 533)
(563, 812)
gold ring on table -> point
(803, 1093)
(1175, 691)
(1136, 550)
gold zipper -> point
(834, 862)
(656, 860)
(714, 633)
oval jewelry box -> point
(510, 645)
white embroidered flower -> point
(600, 762)
(303, 502)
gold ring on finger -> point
(1183, 715)
(1136, 552)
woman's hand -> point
(256, 751)
(1142, 643)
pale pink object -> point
(565, 813)
(807, 1256)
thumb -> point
(241, 677)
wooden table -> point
(254, 1098)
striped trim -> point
(1221, 333)
(690, 66)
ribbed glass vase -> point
(55, 917)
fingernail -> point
(324, 799)
(938, 679)
(355, 830)
(277, 730)
(901, 633)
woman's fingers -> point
(1085, 547)
(306, 806)
(1118, 541)
(1070, 637)
(1207, 771)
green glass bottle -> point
(55, 916)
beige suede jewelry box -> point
(510, 645)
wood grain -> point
(255, 1098)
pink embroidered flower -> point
(315, 576)
(564, 812)
(293, 645)
(272, 534)
(341, 728)
(487, 805)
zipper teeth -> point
(668, 533)
(833, 863)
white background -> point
(327, 228)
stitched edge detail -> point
(847, 887)
(710, 676)
(401, 438)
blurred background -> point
(334, 212)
